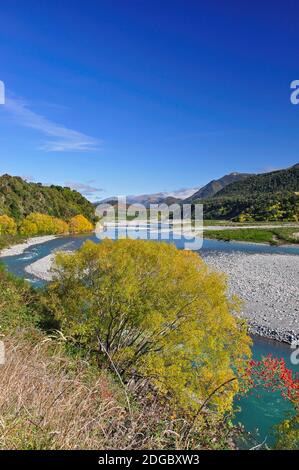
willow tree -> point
(8, 225)
(42, 224)
(157, 313)
(79, 224)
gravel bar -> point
(269, 287)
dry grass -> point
(50, 401)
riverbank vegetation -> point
(8, 225)
(40, 224)
(31, 209)
(9, 240)
(133, 345)
(273, 236)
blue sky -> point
(124, 97)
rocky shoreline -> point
(268, 286)
(19, 248)
(42, 268)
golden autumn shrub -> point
(79, 224)
(42, 224)
(7, 225)
(159, 312)
(60, 226)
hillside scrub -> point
(262, 207)
(265, 197)
(18, 198)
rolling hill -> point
(279, 181)
(214, 186)
(19, 198)
(265, 196)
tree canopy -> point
(79, 224)
(158, 312)
(7, 225)
(42, 224)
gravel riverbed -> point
(269, 287)
(19, 248)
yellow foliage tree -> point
(42, 224)
(79, 224)
(159, 313)
(7, 225)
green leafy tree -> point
(159, 313)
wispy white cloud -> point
(85, 188)
(62, 139)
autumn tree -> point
(7, 225)
(158, 313)
(42, 224)
(271, 374)
(79, 224)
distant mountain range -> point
(186, 195)
(239, 196)
(156, 198)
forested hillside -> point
(215, 186)
(267, 196)
(276, 181)
(19, 198)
